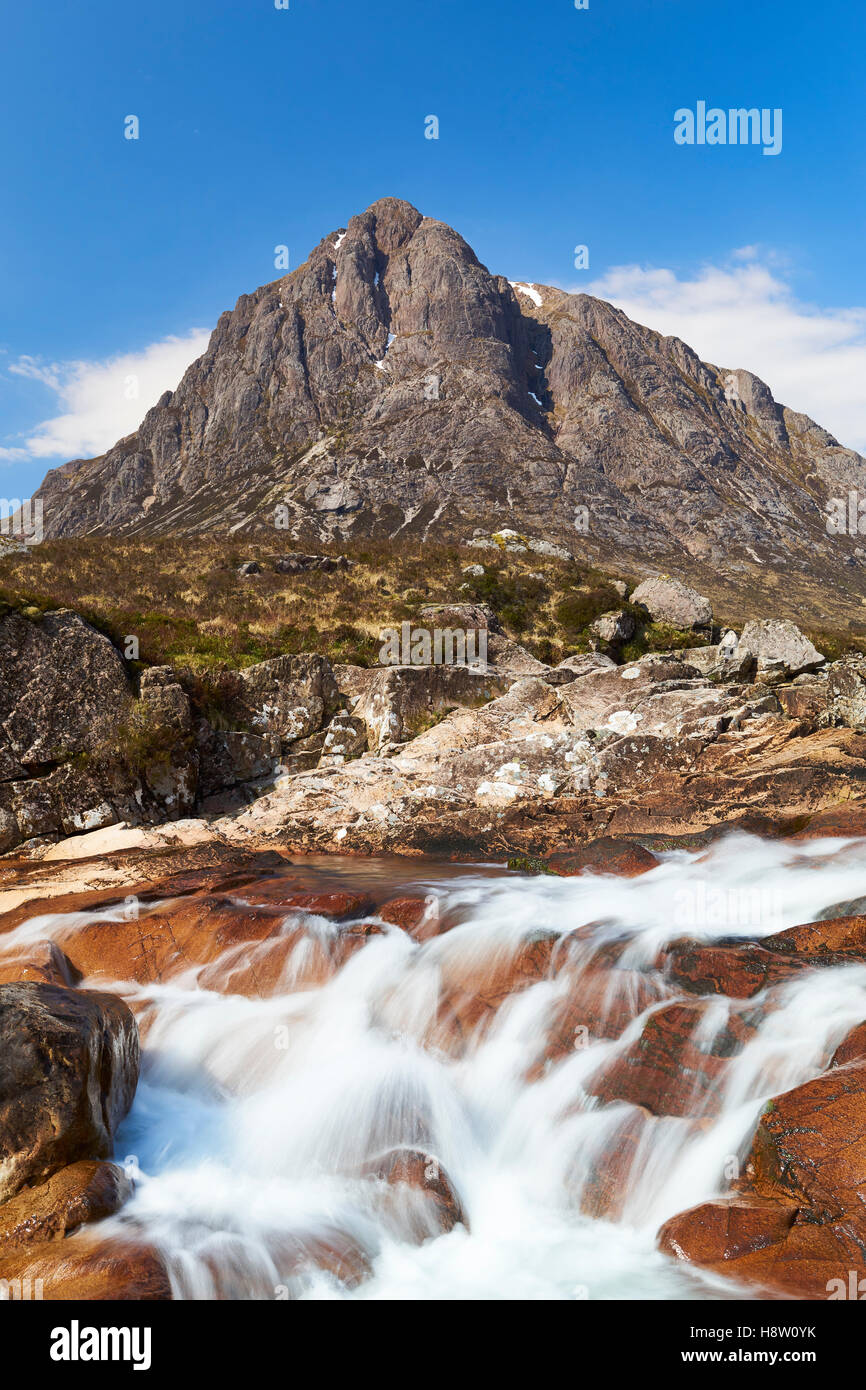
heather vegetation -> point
(187, 605)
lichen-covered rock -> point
(845, 693)
(165, 700)
(779, 643)
(63, 689)
(291, 696)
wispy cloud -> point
(101, 401)
(745, 314)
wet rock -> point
(68, 1071)
(606, 855)
(339, 906)
(474, 988)
(82, 1193)
(810, 1145)
(772, 1244)
(249, 568)
(88, 1268)
(600, 1002)
(830, 936)
(42, 962)
(421, 918)
(797, 1227)
(600, 1181)
(423, 1173)
(852, 1048)
(677, 1065)
(301, 1256)
(847, 818)
(738, 971)
(670, 601)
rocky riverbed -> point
(557, 973)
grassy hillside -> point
(184, 601)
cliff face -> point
(391, 385)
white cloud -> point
(102, 401)
(745, 314)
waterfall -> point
(264, 1128)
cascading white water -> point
(256, 1119)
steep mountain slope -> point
(391, 384)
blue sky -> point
(262, 126)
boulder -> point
(829, 937)
(616, 627)
(797, 1226)
(69, 1064)
(166, 702)
(83, 800)
(773, 1244)
(510, 659)
(606, 855)
(736, 970)
(74, 1196)
(41, 961)
(672, 602)
(467, 617)
(807, 702)
(778, 645)
(422, 1173)
(810, 1145)
(298, 563)
(86, 1267)
(587, 664)
(420, 918)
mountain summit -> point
(392, 386)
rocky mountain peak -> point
(392, 386)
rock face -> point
(344, 398)
(68, 1071)
(290, 696)
(670, 601)
(62, 684)
(649, 747)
